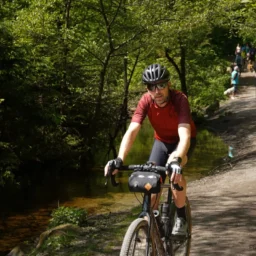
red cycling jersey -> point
(165, 120)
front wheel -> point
(137, 241)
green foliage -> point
(56, 243)
(247, 25)
(71, 215)
(9, 163)
(62, 69)
(207, 88)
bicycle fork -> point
(154, 230)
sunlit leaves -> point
(62, 63)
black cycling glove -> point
(116, 163)
(174, 165)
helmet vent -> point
(155, 73)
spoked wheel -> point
(136, 241)
(181, 246)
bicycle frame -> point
(161, 242)
(161, 246)
(152, 225)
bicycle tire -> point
(135, 240)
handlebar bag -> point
(145, 182)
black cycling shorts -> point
(161, 151)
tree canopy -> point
(70, 71)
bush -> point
(64, 215)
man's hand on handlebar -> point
(114, 165)
(175, 168)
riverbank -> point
(223, 205)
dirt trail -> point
(224, 205)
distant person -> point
(234, 81)
(239, 61)
(238, 49)
(250, 66)
(252, 53)
(247, 48)
(243, 55)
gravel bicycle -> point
(150, 234)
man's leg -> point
(180, 196)
(180, 227)
(159, 155)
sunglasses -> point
(152, 87)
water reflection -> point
(26, 213)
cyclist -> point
(174, 134)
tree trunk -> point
(182, 70)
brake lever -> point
(176, 186)
(113, 181)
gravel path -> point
(224, 205)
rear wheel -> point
(136, 241)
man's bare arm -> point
(128, 139)
(184, 131)
(126, 143)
